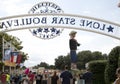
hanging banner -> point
(60, 21)
(14, 56)
(7, 54)
(19, 58)
(10, 58)
(9, 63)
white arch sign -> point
(90, 24)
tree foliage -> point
(87, 56)
(112, 65)
(97, 68)
(14, 42)
(61, 61)
(83, 57)
(42, 64)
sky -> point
(40, 50)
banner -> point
(9, 63)
(14, 56)
(7, 55)
(11, 59)
(19, 58)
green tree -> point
(97, 55)
(97, 68)
(51, 66)
(44, 64)
(87, 56)
(14, 41)
(83, 57)
(16, 44)
(24, 57)
(112, 65)
(61, 61)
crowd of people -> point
(63, 77)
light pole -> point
(0, 25)
(119, 4)
(2, 51)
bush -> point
(98, 68)
(112, 65)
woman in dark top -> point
(54, 78)
(38, 79)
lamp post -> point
(2, 46)
(0, 25)
(2, 51)
(119, 4)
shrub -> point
(98, 68)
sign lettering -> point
(60, 21)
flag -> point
(19, 58)
(7, 55)
(14, 56)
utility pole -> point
(0, 25)
(2, 52)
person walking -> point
(54, 78)
(73, 47)
(45, 78)
(117, 81)
(8, 78)
(38, 78)
(88, 76)
(25, 79)
(3, 78)
(31, 77)
(66, 76)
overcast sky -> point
(40, 50)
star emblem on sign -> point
(110, 28)
(34, 32)
(46, 30)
